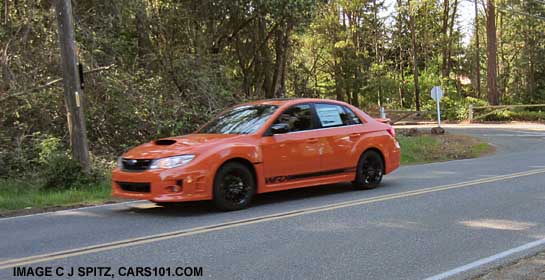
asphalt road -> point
(425, 220)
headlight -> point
(171, 162)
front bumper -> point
(191, 185)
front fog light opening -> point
(174, 188)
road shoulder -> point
(530, 268)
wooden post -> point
(73, 95)
(470, 113)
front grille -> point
(136, 164)
(135, 187)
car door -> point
(340, 131)
(293, 155)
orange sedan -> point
(260, 147)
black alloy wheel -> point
(370, 170)
(234, 186)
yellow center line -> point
(238, 223)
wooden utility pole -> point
(73, 95)
(493, 95)
(477, 51)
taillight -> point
(392, 131)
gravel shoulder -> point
(530, 268)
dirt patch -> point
(504, 122)
(531, 268)
(30, 211)
(464, 146)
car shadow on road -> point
(201, 208)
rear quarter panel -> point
(375, 135)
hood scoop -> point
(165, 142)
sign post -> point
(436, 94)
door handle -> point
(312, 140)
(355, 135)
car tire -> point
(369, 171)
(234, 187)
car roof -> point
(291, 101)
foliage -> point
(44, 160)
(506, 115)
(21, 194)
(454, 108)
(176, 63)
(58, 170)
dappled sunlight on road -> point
(488, 175)
(429, 175)
(325, 226)
(149, 205)
(333, 226)
(498, 224)
(78, 214)
(412, 226)
(438, 172)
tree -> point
(412, 29)
(493, 94)
(477, 52)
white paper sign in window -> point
(329, 116)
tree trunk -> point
(281, 46)
(493, 95)
(338, 85)
(6, 10)
(449, 40)
(477, 51)
(73, 94)
(264, 65)
(356, 88)
(445, 36)
(415, 61)
(401, 60)
(142, 30)
(378, 59)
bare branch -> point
(54, 82)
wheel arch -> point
(244, 162)
(381, 154)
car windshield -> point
(244, 119)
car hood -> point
(180, 145)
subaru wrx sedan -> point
(260, 147)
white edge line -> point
(70, 210)
(487, 260)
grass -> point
(25, 196)
(17, 194)
(425, 148)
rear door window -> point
(350, 117)
(332, 115)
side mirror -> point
(280, 128)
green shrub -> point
(60, 171)
(454, 108)
(19, 155)
(516, 115)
